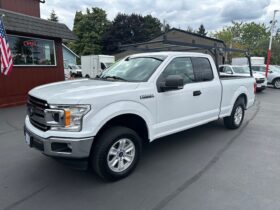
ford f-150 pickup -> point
(106, 121)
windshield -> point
(73, 67)
(135, 69)
(108, 64)
(275, 68)
(241, 69)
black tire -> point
(87, 76)
(230, 122)
(73, 75)
(276, 83)
(101, 149)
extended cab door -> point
(197, 103)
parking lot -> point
(208, 167)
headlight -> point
(64, 117)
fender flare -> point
(107, 113)
(242, 90)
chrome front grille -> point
(35, 111)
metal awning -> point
(16, 22)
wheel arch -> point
(242, 93)
(130, 120)
(275, 79)
(244, 96)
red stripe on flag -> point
(4, 52)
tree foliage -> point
(53, 17)
(201, 30)
(252, 36)
(89, 28)
(98, 35)
(127, 29)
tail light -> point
(255, 87)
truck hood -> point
(258, 76)
(75, 91)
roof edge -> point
(195, 34)
(63, 45)
(30, 16)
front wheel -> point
(116, 153)
(235, 120)
(276, 83)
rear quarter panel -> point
(232, 89)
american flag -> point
(6, 56)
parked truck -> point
(104, 122)
(72, 71)
(244, 61)
(93, 65)
(273, 76)
(244, 71)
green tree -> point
(201, 30)
(252, 34)
(90, 28)
(53, 17)
(127, 29)
(152, 27)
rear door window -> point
(202, 69)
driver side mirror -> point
(270, 71)
(172, 82)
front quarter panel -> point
(94, 121)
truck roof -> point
(168, 53)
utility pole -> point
(270, 43)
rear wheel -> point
(116, 153)
(276, 83)
(235, 120)
(87, 76)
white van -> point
(93, 65)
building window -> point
(29, 51)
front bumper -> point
(60, 147)
(261, 85)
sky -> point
(213, 14)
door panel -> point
(185, 108)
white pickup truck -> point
(106, 121)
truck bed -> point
(232, 87)
(228, 77)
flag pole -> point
(270, 43)
(1, 18)
(7, 59)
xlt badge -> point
(147, 96)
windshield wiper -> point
(114, 77)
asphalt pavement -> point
(208, 167)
